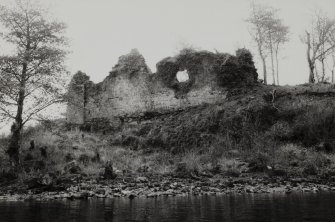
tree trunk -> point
(311, 78)
(264, 70)
(316, 73)
(311, 63)
(85, 98)
(272, 62)
(323, 70)
(264, 63)
(333, 76)
(277, 61)
(14, 144)
(277, 67)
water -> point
(293, 207)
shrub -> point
(237, 70)
(259, 161)
(192, 161)
(316, 125)
(230, 167)
(310, 168)
(301, 161)
(131, 141)
(281, 130)
(84, 159)
(245, 59)
(190, 165)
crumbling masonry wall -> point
(131, 89)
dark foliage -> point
(28, 157)
(109, 171)
(316, 125)
(167, 70)
(229, 70)
(246, 60)
(84, 159)
(69, 157)
(259, 162)
(237, 70)
(43, 151)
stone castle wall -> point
(131, 89)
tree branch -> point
(37, 110)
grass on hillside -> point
(92, 152)
(245, 134)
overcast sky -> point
(101, 30)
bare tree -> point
(319, 40)
(331, 65)
(269, 34)
(32, 78)
(258, 19)
(270, 44)
(280, 37)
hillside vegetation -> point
(283, 131)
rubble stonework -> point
(131, 89)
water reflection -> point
(294, 207)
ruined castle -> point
(131, 89)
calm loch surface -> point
(259, 207)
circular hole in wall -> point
(182, 76)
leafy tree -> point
(32, 78)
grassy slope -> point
(292, 134)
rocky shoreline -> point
(78, 187)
